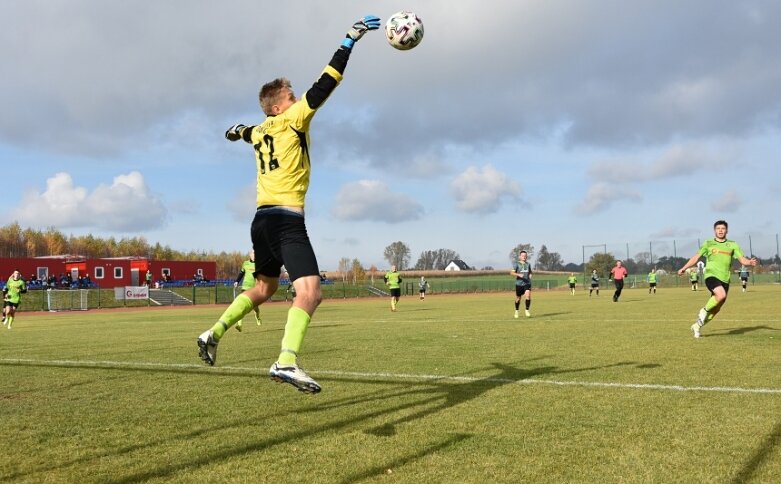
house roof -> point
(461, 264)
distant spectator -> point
(148, 278)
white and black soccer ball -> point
(404, 30)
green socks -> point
(240, 306)
(295, 330)
(711, 304)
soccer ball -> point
(404, 30)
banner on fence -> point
(131, 292)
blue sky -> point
(559, 123)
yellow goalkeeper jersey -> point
(281, 145)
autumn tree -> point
(517, 250)
(548, 261)
(397, 254)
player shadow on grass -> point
(739, 331)
(446, 394)
(765, 451)
(442, 394)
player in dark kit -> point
(279, 235)
(522, 271)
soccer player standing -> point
(652, 281)
(694, 278)
(278, 231)
(718, 253)
(594, 283)
(522, 271)
(743, 277)
(572, 281)
(12, 296)
(393, 281)
(422, 286)
(618, 273)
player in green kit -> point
(246, 279)
(522, 271)
(719, 253)
(572, 281)
(12, 296)
(393, 281)
(279, 236)
(652, 281)
(694, 278)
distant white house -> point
(457, 265)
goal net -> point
(67, 299)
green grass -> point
(452, 389)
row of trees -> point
(18, 242)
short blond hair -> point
(269, 93)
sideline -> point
(390, 376)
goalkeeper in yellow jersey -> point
(279, 235)
(719, 253)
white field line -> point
(393, 376)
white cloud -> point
(373, 200)
(601, 195)
(126, 205)
(483, 189)
(242, 206)
(729, 202)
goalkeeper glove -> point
(369, 22)
(234, 132)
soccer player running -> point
(12, 296)
(743, 277)
(652, 281)
(393, 281)
(246, 278)
(278, 231)
(572, 280)
(618, 273)
(522, 271)
(594, 283)
(718, 253)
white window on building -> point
(117, 273)
(100, 273)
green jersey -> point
(393, 280)
(718, 258)
(525, 271)
(247, 275)
(694, 276)
(652, 277)
(14, 290)
(572, 279)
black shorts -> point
(651, 284)
(594, 286)
(712, 283)
(521, 290)
(10, 304)
(744, 279)
(279, 238)
(571, 285)
(395, 292)
(422, 291)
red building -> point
(108, 272)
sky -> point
(569, 124)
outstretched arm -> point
(689, 263)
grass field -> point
(452, 389)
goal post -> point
(67, 299)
